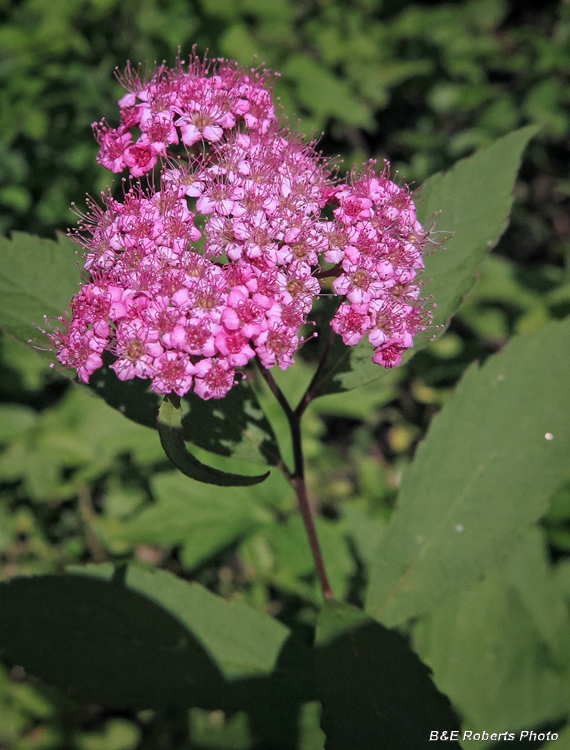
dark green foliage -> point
(139, 639)
(371, 685)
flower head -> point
(214, 253)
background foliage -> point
(422, 84)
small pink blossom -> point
(113, 146)
(351, 322)
(235, 347)
(172, 373)
(214, 378)
(141, 156)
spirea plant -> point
(187, 308)
(227, 244)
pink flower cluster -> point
(219, 258)
(380, 258)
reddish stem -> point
(297, 479)
(336, 271)
(307, 513)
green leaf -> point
(79, 437)
(489, 655)
(132, 398)
(81, 431)
(15, 420)
(209, 730)
(145, 639)
(38, 278)
(474, 198)
(485, 471)
(172, 439)
(562, 742)
(374, 690)
(199, 516)
(532, 577)
(117, 734)
(312, 737)
(233, 426)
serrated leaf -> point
(38, 277)
(489, 656)
(490, 462)
(531, 576)
(233, 426)
(142, 639)
(375, 691)
(474, 198)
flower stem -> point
(307, 513)
(329, 273)
(297, 478)
(308, 396)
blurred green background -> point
(421, 84)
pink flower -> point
(351, 322)
(141, 156)
(277, 346)
(198, 126)
(234, 346)
(172, 373)
(161, 131)
(214, 378)
(136, 346)
(390, 354)
(216, 257)
(113, 146)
